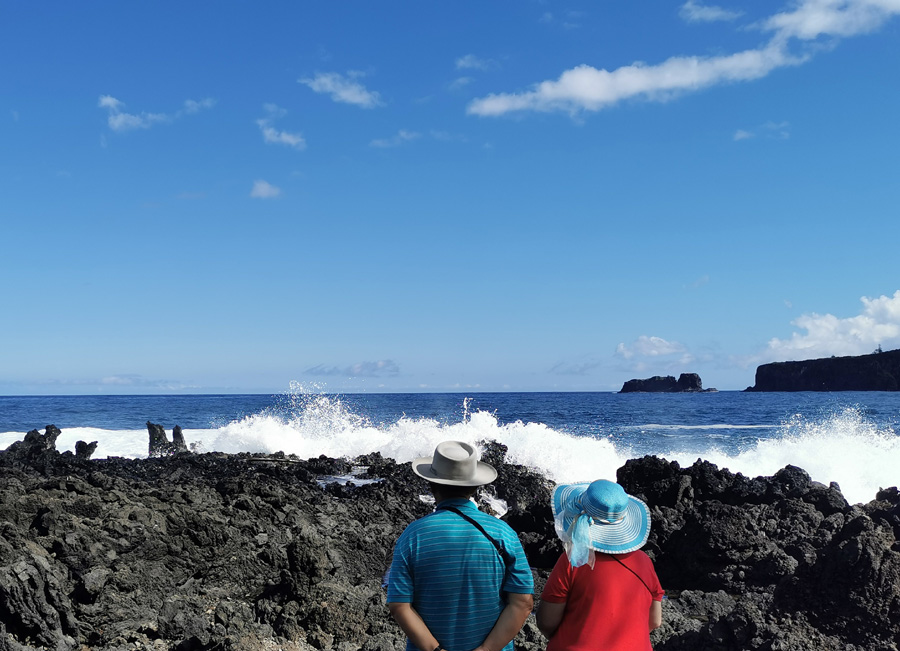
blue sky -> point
(468, 196)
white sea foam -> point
(726, 426)
(844, 447)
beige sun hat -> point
(456, 464)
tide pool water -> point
(848, 438)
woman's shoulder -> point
(641, 554)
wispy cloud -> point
(343, 88)
(585, 88)
(119, 120)
(274, 136)
(695, 12)
(472, 62)
(264, 190)
(460, 82)
(836, 18)
(402, 136)
(645, 346)
(580, 367)
(878, 324)
(123, 380)
(381, 368)
(191, 196)
(776, 130)
(446, 136)
(568, 20)
(654, 356)
(193, 106)
(133, 380)
(700, 282)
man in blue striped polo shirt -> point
(459, 580)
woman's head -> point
(599, 516)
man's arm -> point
(549, 615)
(411, 623)
(510, 622)
(655, 615)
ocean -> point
(849, 438)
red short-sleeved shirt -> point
(607, 608)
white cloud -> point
(264, 190)
(694, 12)
(119, 120)
(274, 136)
(472, 62)
(825, 334)
(840, 18)
(645, 346)
(193, 106)
(135, 380)
(585, 88)
(460, 82)
(381, 368)
(445, 136)
(344, 89)
(572, 19)
(776, 130)
(402, 136)
(581, 367)
(109, 102)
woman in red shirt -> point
(603, 593)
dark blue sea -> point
(850, 438)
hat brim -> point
(628, 535)
(484, 473)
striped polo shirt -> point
(454, 577)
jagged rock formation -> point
(160, 445)
(251, 552)
(879, 371)
(686, 383)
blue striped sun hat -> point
(599, 516)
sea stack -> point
(686, 383)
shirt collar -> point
(457, 502)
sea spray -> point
(846, 438)
(843, 447)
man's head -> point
(454, 463)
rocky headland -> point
(879, 371)
(686, 383)
(185, 551)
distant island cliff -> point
(878, 371)
(686, 383)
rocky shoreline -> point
(210, 551)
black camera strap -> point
(613, 556)
(508, 559)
